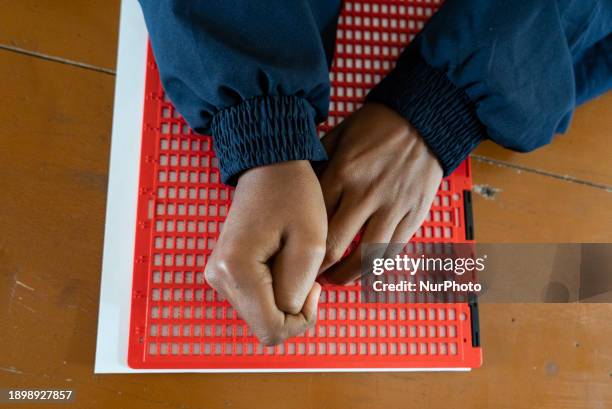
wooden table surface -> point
(57, 63)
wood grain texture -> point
(55, 138)
(583, 153)
(517, 206)
(79, 30)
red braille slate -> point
(177, 321)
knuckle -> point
(316, 249)
(333, 254)
(220, 270)
(212, 277)
(289, 304)
(271, 337)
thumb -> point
(298, 323)
(309, 311)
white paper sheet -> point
(117, 263)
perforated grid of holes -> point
(370, 37)
(177, 319)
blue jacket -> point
(254, 74)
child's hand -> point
(381, 175)
(270, 249)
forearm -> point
(500, 70)
(254, 75)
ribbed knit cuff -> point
(262, 131)
(443, 114)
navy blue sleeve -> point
(254, 75)
(511, 71)
(593, 70)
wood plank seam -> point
(60, 60)
(565, 178)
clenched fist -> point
(270, 250)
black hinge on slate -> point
(468, 215)
(472, 298)
(475, 321)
